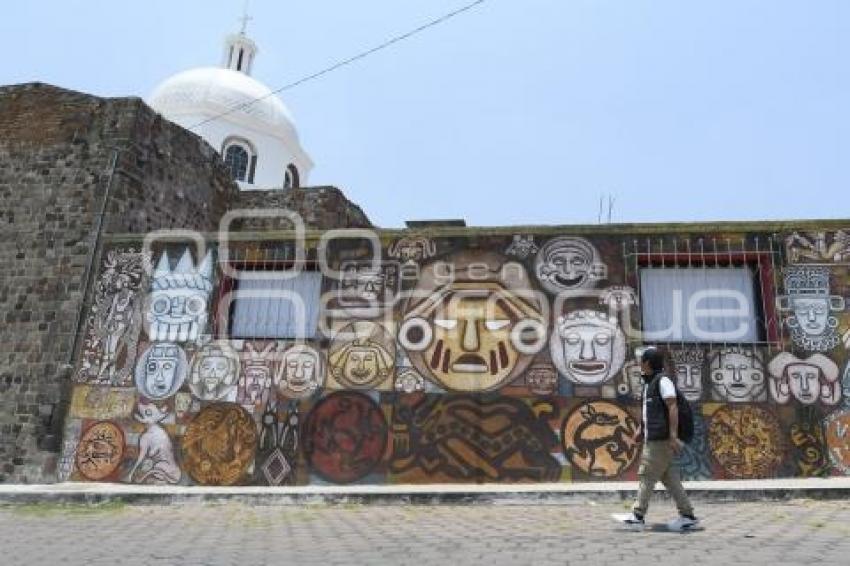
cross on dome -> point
(245, 18)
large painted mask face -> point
(301, 372)
(474, 330)
(737, 375)
(475, 340)
(177, 306)
(161, 370)
(589, 348)
(568, 263)
(470, 341)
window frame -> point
(768, 331)
(291, 173)
(225, 303)
(248, 147)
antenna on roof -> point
(610, 213)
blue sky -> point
(517, 112)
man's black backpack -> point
(686, 413)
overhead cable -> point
(344, 62)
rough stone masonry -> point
(61, 152)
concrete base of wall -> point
(527, 494)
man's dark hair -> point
(655, 358)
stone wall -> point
(320, 208)
(59, 151)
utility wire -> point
(344, 62)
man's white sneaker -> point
(630, 520)
(682, 523)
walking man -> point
(661, 445)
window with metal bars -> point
(269, 300)
(709, 291)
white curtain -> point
(277, 307)
(700, 304)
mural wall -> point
(482, 358)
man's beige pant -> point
(656, 463)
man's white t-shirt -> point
(667, 389)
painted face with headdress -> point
(362, 355)
(177, 306)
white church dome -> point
(213, 91)
(239, 116)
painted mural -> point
(115, 321)
(505, 357)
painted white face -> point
(811, 314)
(689, 380)
(568, 263)
(804, 380)
(301, 371)
(178, 306)
(160, 371)
(569, 268)
(588, 351)
(588, 348)
(177, 314)
(737, 379)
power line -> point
(344, 62)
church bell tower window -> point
(290, 178)
(240, 162)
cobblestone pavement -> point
(798, 532)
